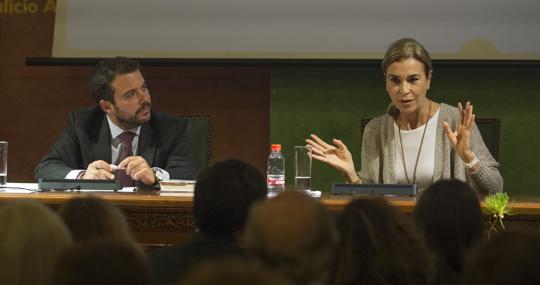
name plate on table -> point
(374, 189)
(78, 184)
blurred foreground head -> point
(294, 234)
(91, 218)
(104, 262)
(32, 237)
(233, 271)
(508, 258)
(223, 195)
(449, 214)
(379, 245)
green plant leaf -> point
(496, 207)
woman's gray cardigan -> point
(378, 154)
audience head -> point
(508, 258)
(379, 245)
(407, 48)
(105, 73)
(224, 192)
(233, 271)
(450, 216)
(32, 237)
(92, 218)
(294, 234)
(102, 262)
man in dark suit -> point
(122, 132)
(223, 195)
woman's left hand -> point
(460, 138)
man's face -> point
(132, 101)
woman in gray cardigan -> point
(418, 140)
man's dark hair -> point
(104, 74)
(223, 195)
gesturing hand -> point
(460, 138)
(339, 157)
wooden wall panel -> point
(34, 101)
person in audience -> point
(232, 271)
(102, 262)
(379, 245)
(122, 131)
(224, 192)
(92, 218)
(449, 214)
(510, 257)
(418, 141)
(293, 234)
(32, 237)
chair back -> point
(490, 129)
(200, 133)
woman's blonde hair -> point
(404, 49)
(32, 237)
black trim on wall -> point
(171, 62)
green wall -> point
(331, 101)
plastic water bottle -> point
(275, 174)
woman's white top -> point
(411, 143)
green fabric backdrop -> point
(331, 101)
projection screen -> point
(296, 29)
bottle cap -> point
(276, 147)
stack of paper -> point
(174, 185)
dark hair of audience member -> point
(294, 235)
(232, 271)
(449, 214)
(92, 218)
(379, 245)
(104, 262)
(32, 238)
(508, 258)
(223, 195)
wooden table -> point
(161, 218)
(154, 218)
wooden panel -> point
(157, 219)
(34, 101)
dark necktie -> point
(126, 138)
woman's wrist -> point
(470, 160)
(472, 165)
(351, 177)
(474, 168)
(468, 157)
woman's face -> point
(407, 85)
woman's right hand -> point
(337, 156)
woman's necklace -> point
(419, 148)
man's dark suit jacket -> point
(163, 143)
